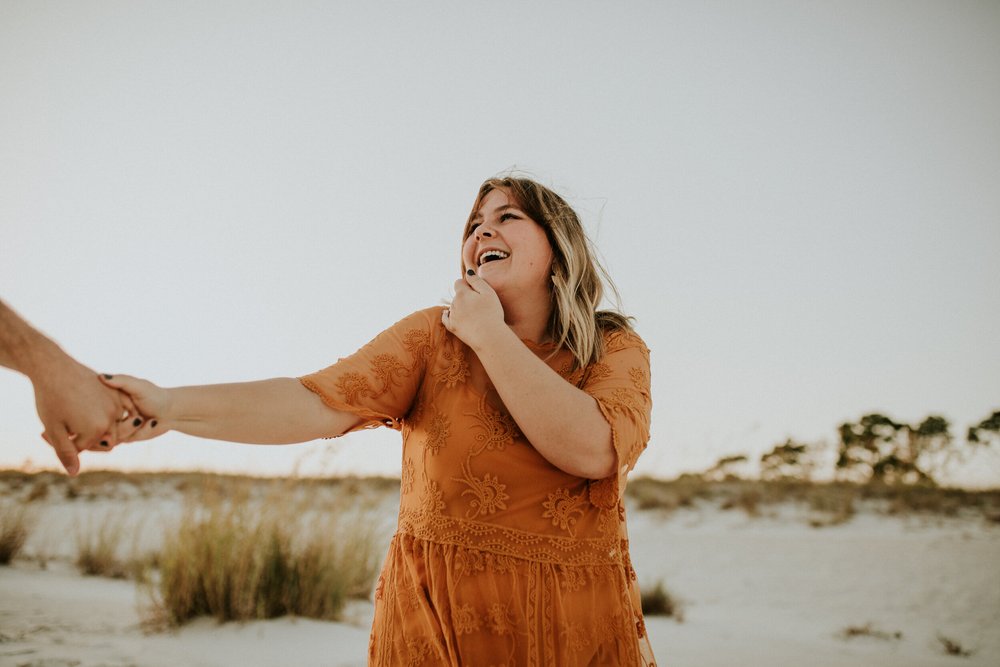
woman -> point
(522, 408)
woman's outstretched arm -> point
(274, 412)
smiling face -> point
(506, 248)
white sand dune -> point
(768, 591)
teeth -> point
(497, 254)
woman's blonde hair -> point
(578, 279)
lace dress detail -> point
(499, 557)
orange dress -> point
(500, 558)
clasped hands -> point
(83, 411)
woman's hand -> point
(476, 313)
(151, 402)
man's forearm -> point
(22, 347)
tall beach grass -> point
(236, 557)
(14, 527)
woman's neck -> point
(528, 318)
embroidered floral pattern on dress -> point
(412, 598)
(575, 638)
(629, 570)
(456, 368)
(564, 509)
(469, 561)
(598, 371)
(466, 620)
(432, 501)
(640, 380)
(572, 578)
(437, 432)
(418, 650)
(608, 521)
(499, 619)
(502, 564)
(488, 494)
(354, 386)
(621, 400)
(406, 478)
(418, 343)
(498, 430)
(389, 370)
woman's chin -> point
(490, 274)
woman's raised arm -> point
(274, 412)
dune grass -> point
(99, 548)
(829, 503)
(14, 527)
(953, 647)
(657, 601)
(233, 557)
(869, 630)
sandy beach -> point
(766, 589)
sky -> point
(798, 201)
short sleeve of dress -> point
(620, 384)
(379, 382)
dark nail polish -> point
(104, 443)
(470, 272)
(153, 423)
(108, 377)
(136, 421)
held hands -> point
(149, 399)
(83, 411)
(77, 411)
(476, 312)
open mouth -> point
(492, 256)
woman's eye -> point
(472, 227)
(507, 216)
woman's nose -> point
(483, 233)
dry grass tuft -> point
(659, 602)
(952, 647)
(13, 531)
(39, 491)
(869, 630)
(98, 549)
(747, 499)
(234, 557)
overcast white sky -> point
(799, 201)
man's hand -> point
(78, 412)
